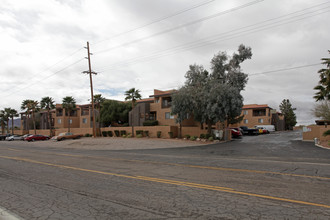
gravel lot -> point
(112, 143)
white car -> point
(14, 137)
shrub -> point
(129, 136)
(117, 133)
(146, 133)
(202, 136)
(139, 132)
(123, 132)
(187, 136)
(193, 138)
(139, 135)
(207, 136)
(210, 138)
(124, 136)
(150, 123)
(87, 135)
(125, 125)
(104, 133)
(326, 133)
(159, 134)
(110, 134)
(170, 134)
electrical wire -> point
(285, 69)
(181, 26)
(156, 21)
(223, 36)
(47, 77)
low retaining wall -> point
(315, 131)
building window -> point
(246, 121)
(168, 115)
(59, 121)
(84, 120)
(157, 100)
(70, 121)
(260, 120)
(245, 112)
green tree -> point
(31, 107)
(2, 121)
(7, 117)
(114, 111)
(12, 113)
(289, 116)
(216, 96)
(48, 104)
(98, 101)
(181, 106)
(324, 84)
(69, 104)
(133, 95)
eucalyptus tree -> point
(324, 84)
(12, 113)
(133, 95)
(48, 104)
(181, 106)
(69, 104)
(216, 96)
(31, 107)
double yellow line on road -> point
(172, 182)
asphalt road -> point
(272, 176)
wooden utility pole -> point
(91, 83)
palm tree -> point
(132, 95)
(7, 117)
(2, 121)
(98, 101)
(48, 104)
(12, 113)
(324, 83)
(69, 104)
(31, 106)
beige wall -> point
(253, 120)
(315, 131)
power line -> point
(51, 66)
(285, 69)
(181, 26)
(66, 67)
(157, 20)
(224, 36)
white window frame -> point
(59, 121)
(246, 121)
(260, 120)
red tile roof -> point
(255, 106)
(145, 100)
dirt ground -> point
(114, 143)
(325, 144)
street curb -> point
(6, 215)
(320, 146)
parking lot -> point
(275, 176)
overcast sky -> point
(149, 44)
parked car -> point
(25, 136)
(249, 131)
(262, 130)
(235, 133)
(14, 137)
(37, 137)
(4, 136)
(67, 135)
(270, 128)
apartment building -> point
(157, 107)
(81, 117)
(255, 114)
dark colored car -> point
(36, 137)
(249, 131)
